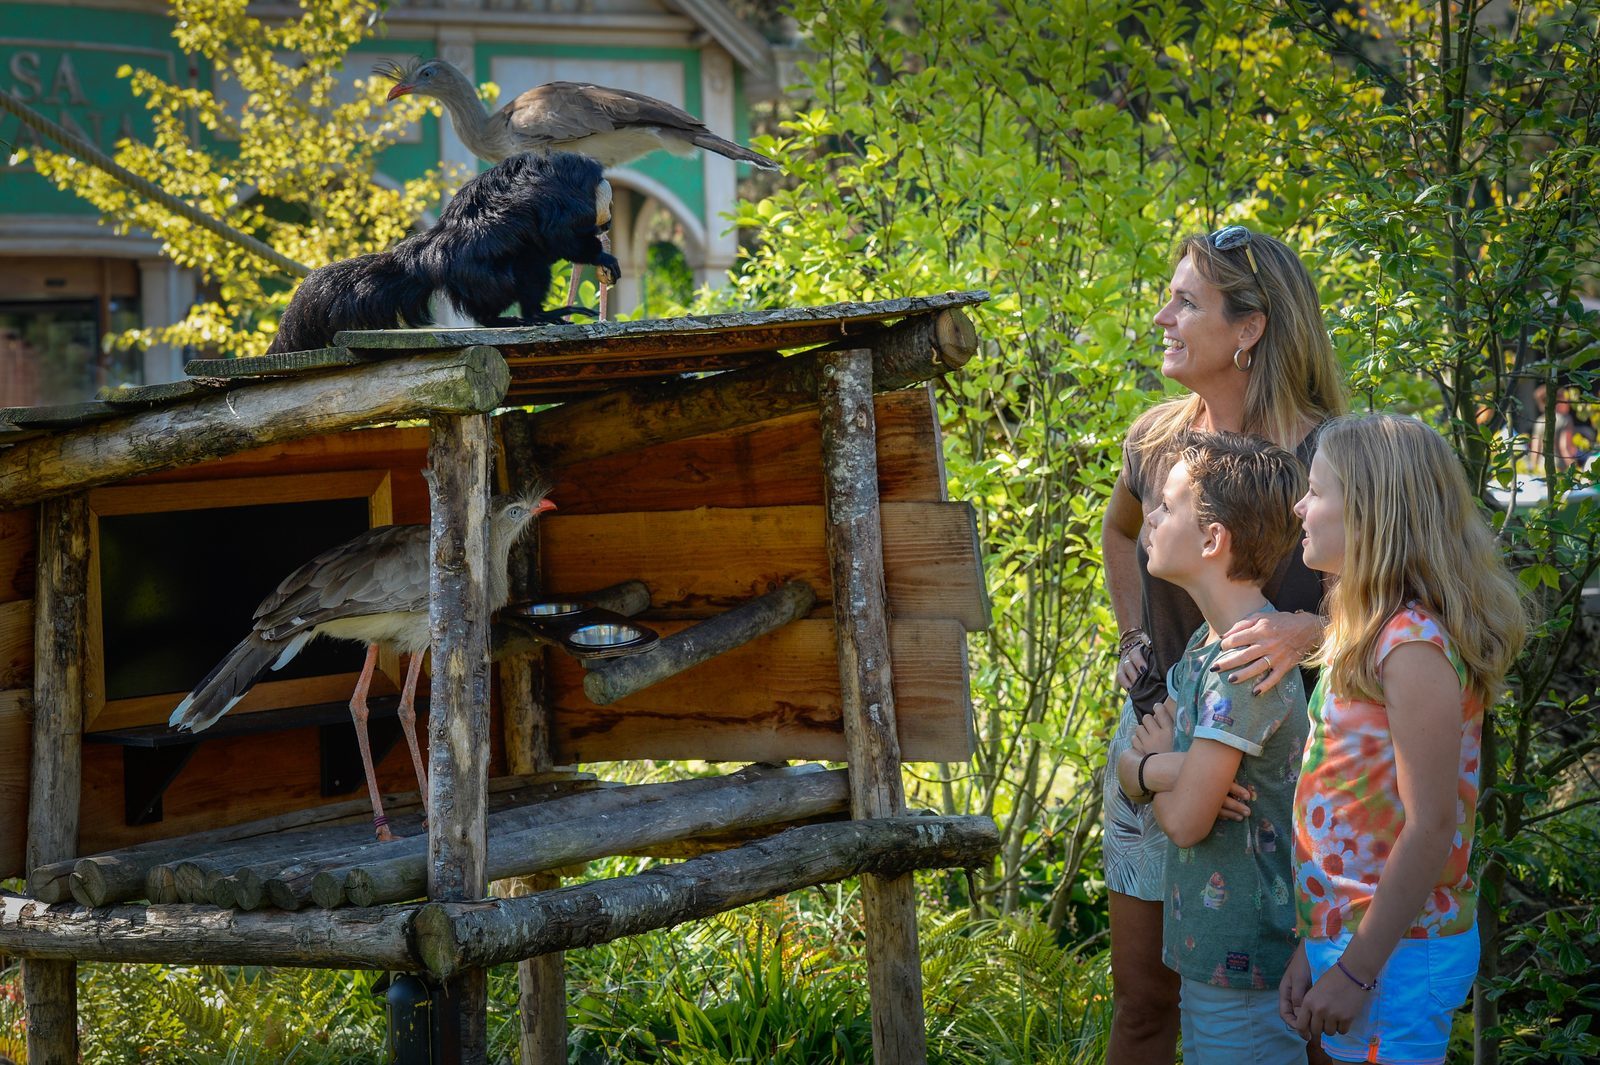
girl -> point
(1424, 621)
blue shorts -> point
(1407, 1019)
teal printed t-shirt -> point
(1229, 917)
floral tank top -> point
(1347, 808)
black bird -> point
(493, 246)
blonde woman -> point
(1424, 621)
(1243, 332)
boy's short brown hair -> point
(1249, 487)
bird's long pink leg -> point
(408, 721)
(604, 289)
(572, 289)
(358, 711)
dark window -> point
(179, 589)
(52, 352)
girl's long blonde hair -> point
(1412, 533)
(1294, 376)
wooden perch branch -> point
(629, 419)
(454, 936)
(471, 380)
(620, 677)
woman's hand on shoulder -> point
(1131, 665)
(1264, 648)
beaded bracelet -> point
(1340, 963)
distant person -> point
(1218, 763)
(1565, 436)
(1424, 621)
(1244, 334)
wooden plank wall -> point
(714, 520)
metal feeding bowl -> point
(606, 639)
(582, 629)
(549, 610)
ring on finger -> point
(1268, 660)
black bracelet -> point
(1143, 790)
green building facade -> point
(66, 280)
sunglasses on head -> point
(1231, 237)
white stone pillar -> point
(165, 295)
(721, 176)
(625, 216)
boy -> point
(1224, 523)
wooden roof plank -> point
(143, 396)
(608, 336)
(279, 364)
(57, 416)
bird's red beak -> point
(399, 90)
(542, 506)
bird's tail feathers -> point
(737, 152)
(293, 648)
(228, 682)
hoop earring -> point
(1249, 363)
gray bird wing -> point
(567, 110)
(383, 570)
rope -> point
(82, 150)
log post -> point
(541, 981)
(61, 640)
(861, 619)
(458, 721)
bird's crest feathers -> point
(397, 72)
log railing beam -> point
(450, 936)
(181, 934)
(468, 381)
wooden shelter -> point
(779, 519)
